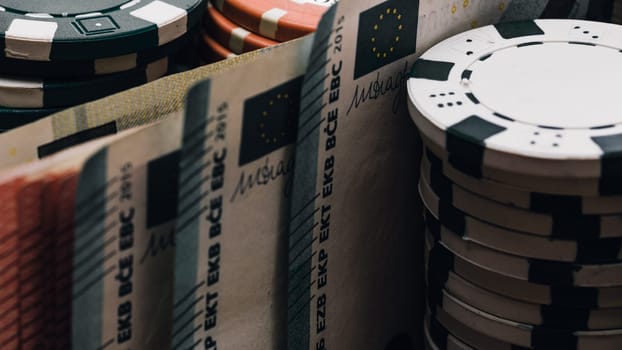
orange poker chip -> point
(231, 35)
(281, 20)
(211, 51)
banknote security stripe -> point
(299, 312)
(65, 219)
(231, 35)
(533, 201)
(280, 20)
(36, 93)
(459, 98)
(441, 260)
(541, 315)
(45, 31)
(92, 67)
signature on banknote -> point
(158, 244)
(379, 87)
(264, 175)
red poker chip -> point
(211, 51)
(231, 35)
(281, 20)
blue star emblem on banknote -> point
(386, 33)
(270, 121)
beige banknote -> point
(124, 240)
(36, 229)
(139, 106)
(88, 254)
(356, 240)
(235, 183)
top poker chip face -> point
(74, 30)
(537, 97)
(280, 20)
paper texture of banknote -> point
(123, 246)
(88, 244)
(355, 259)
(36, 235)
(139, 106)
(235, 183)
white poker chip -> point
(524, 335)
(461, 335)
(538, 98)
(539, 202)
(555, 274)
(443, 195)
(448, 221)
(441, 260)
(449, 342)
(520, 311)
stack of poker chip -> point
(55, 55)
(234, 27)
(520, 180)
(616, 16)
